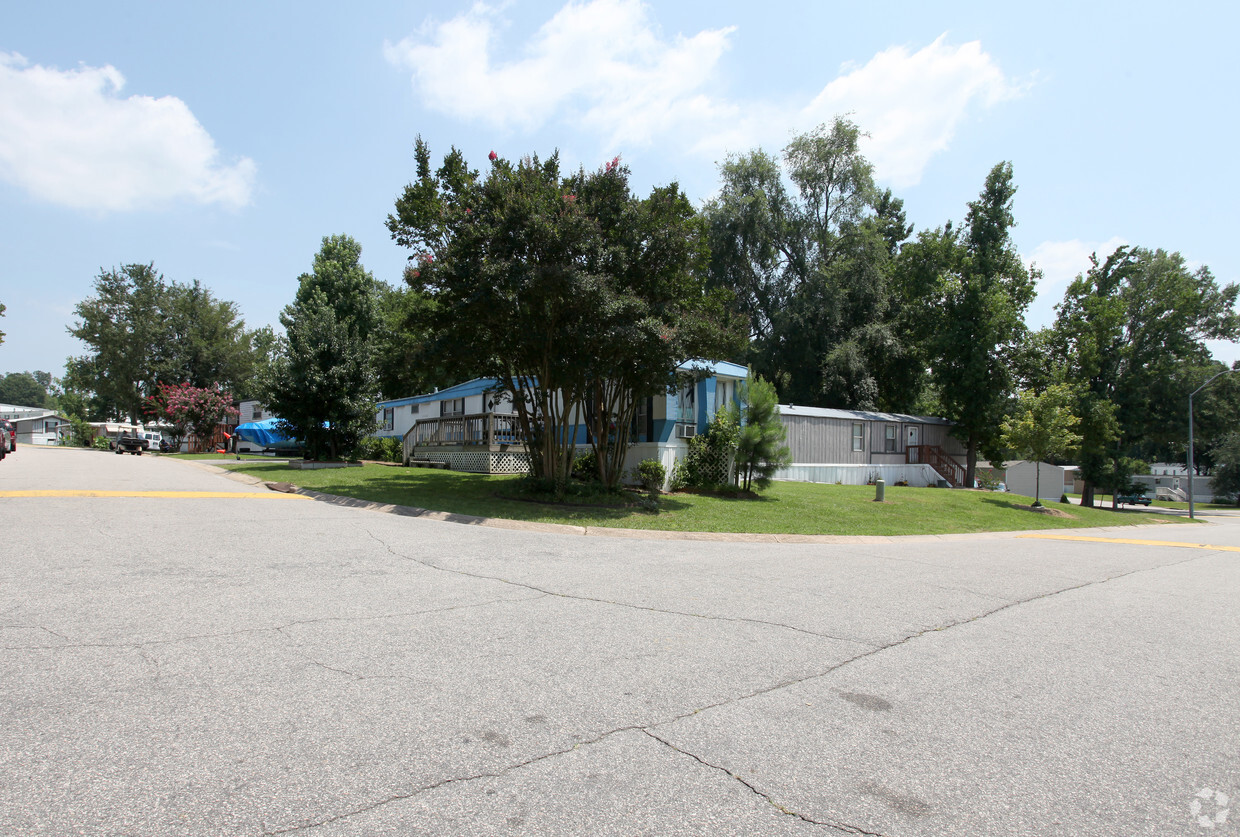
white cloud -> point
(604, 65)
(600, 63)
(1060, 262)
(912, 103)
(68, 137)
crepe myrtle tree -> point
(578, 296)
(191, 410)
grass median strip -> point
(786, 508)
(175, 495)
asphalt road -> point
(192, 655)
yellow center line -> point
(179, 495)
(1134, 541)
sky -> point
(223, 142)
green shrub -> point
(705, 465)
(80, 432)
(651, 474)
(101, 443)
(380, 449)
(585, 467)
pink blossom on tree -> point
(190, 409)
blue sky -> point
(222, 142)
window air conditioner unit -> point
(686, 431)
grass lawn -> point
(786, 508)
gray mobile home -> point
(855, 446)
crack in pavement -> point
(246, 631)
(646, 728)
(36, 628)
(595, 600)
(451, 780)
(783, 809)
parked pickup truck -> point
(1131, 500)
(128, 442)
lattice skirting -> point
(484, 462)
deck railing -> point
(933, 455)
(475, 429)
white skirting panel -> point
(917, 475)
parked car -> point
(1131, 500)
(130, 442)
(10, 435)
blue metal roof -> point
(475, 387)
(715, 367)
(480, 385)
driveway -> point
(186, 654)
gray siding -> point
(824, 440)
(813, 439)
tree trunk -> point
(970, 466)
(1087, 495)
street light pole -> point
(1191, 470)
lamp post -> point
(1191, 471)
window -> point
(389, 418)
(858, 436)
(258, 413)
(640, 417)
(452, 407)
(891, 439)
(413, 408)
(685, 402)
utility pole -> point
(1191, 470)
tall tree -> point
(206, 341)
(322, 383)
(23, 389)
(578, 297)
(403, 361)
(123, 325)
(1132, 330)
(971, 290)
(810, 266)
(141, 330)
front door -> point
(911, 442)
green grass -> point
(786, 508)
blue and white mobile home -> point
(473, 427)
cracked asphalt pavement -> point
(194, 665)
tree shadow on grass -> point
(476, 495)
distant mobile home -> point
(857, 446)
